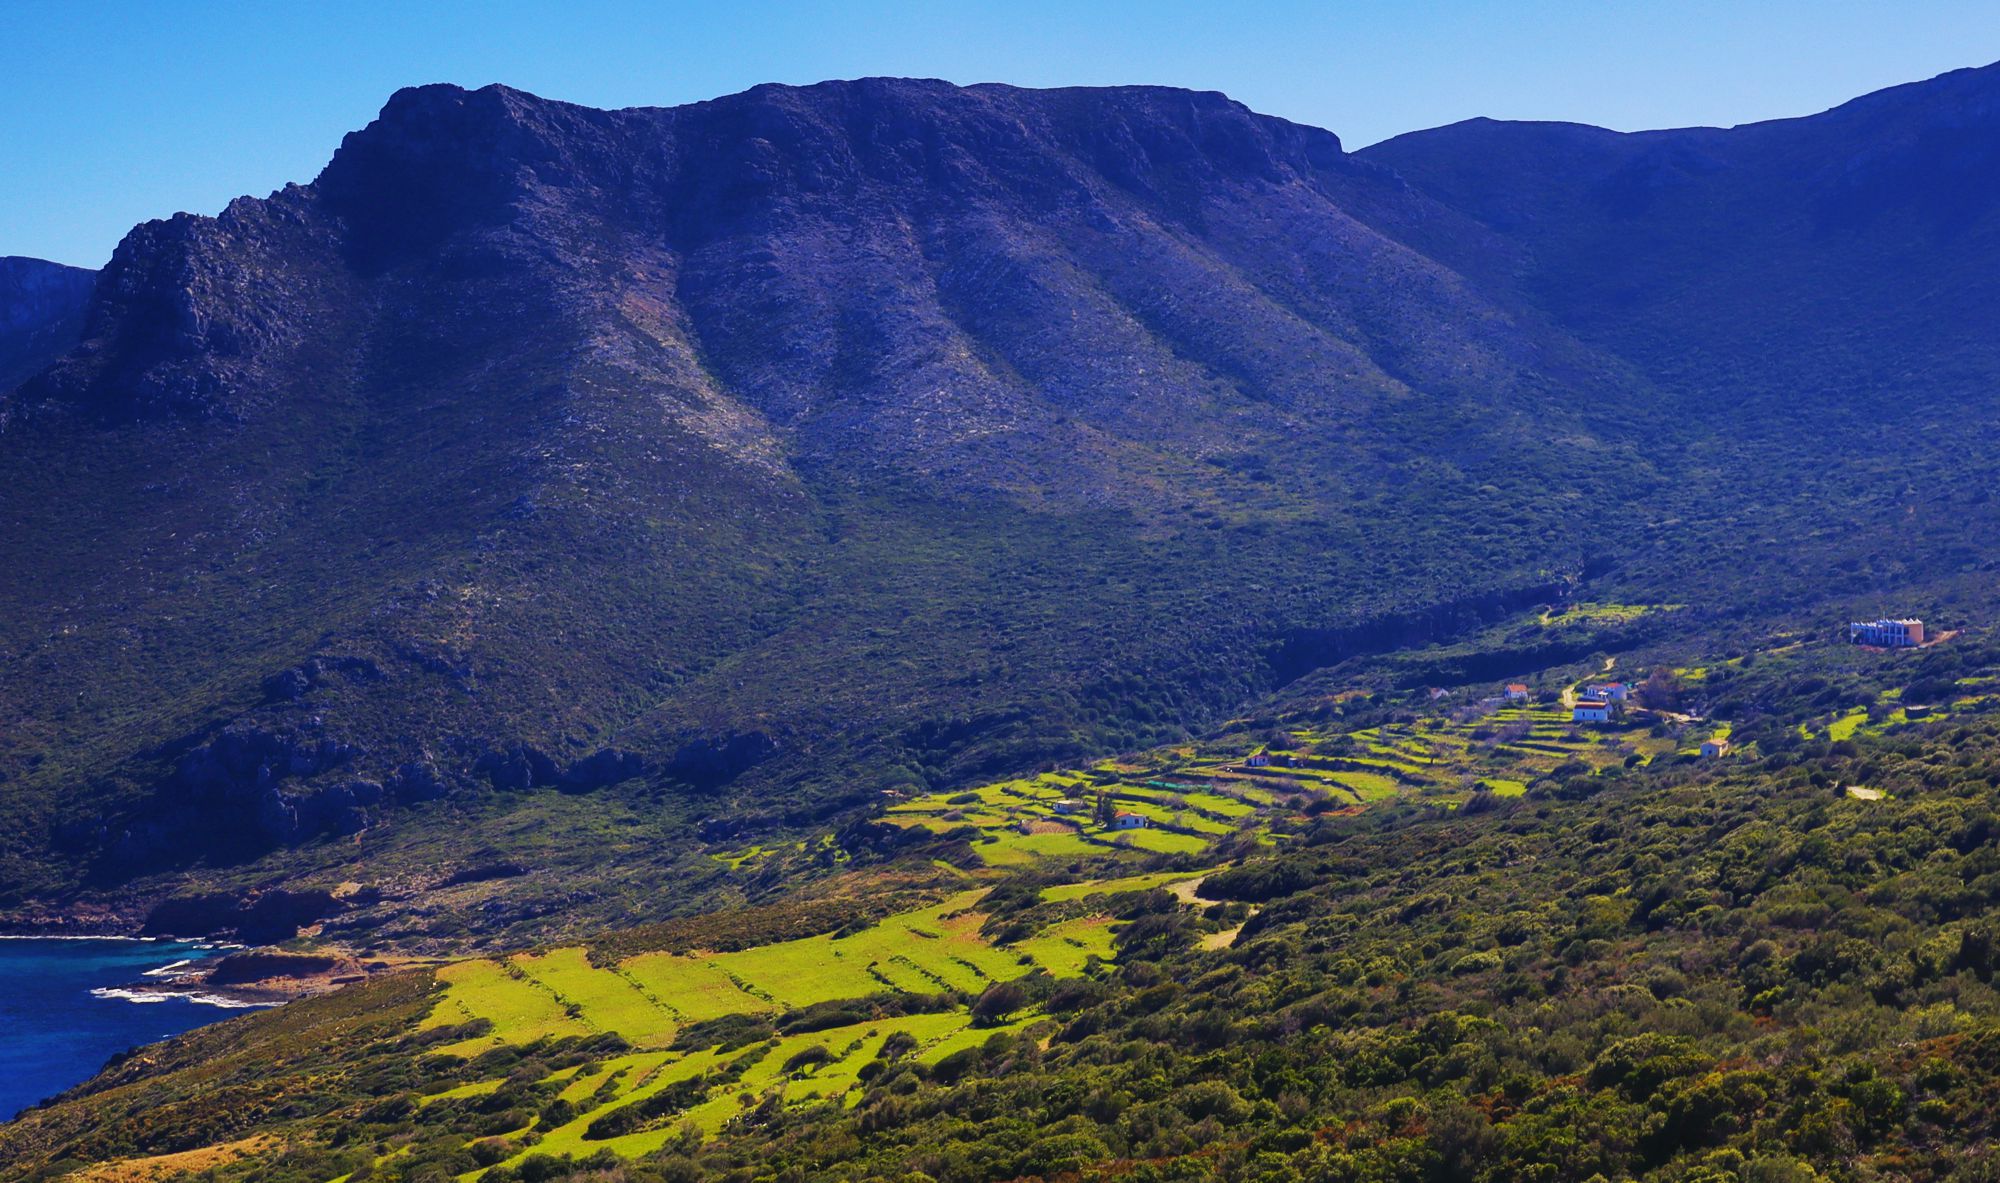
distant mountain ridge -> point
(1848, 251)
(41, 314)
(752, 458)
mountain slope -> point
(41, 314)
(1811, 298)
(834, 438)
(740, 462)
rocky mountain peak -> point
(202, 316)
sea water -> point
(66, 1007)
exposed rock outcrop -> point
(607, 766)
(294, 683)
(244, 791)
(709, 763)
(266, 918)
(519, 767)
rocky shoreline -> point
(252, 978)
(242, 978)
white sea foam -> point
(72, 936)
(224, 1001)
(169, 969)
(121, 994)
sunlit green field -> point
(650, 998)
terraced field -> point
(1079, 891)
(1023, 821)
(633, 1102)
(1888, 710)
(819, 1065)
(1590, 612)
(1193, 796)
(1438, 756)
(648, 998)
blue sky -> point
(112, 113)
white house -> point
(1610, 691)
(1714, 747)
(1517, 691)
(1259, 760)
(1887, 634)
(1129, 821)
(1070, 805)
(1591, 712)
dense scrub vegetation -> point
(1677, 970)
(1686, 976)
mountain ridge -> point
(1851, 236)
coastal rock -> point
(262, 965)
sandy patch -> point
(167, 1166)
(1220, 940)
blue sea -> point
(56, 1033)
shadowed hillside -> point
(41, 314)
